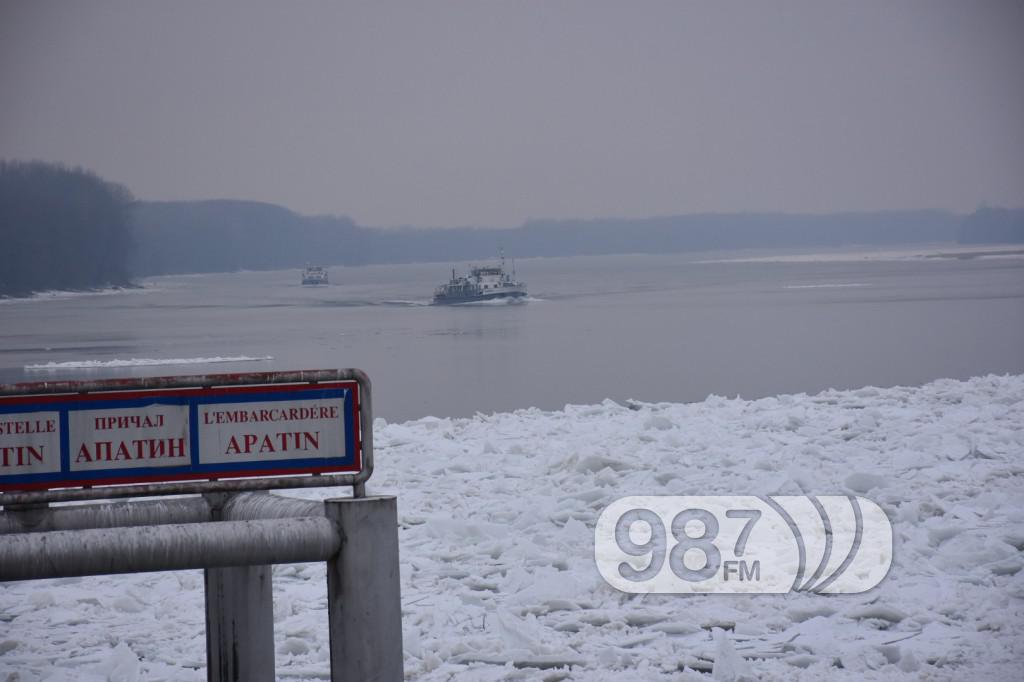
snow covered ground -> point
(498, 576)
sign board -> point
(140, 435)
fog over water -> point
(475, 113)
(651, 328)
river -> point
(645, 327)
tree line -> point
(217, 236)
(990, 225)
(61, 228)
(64, 228)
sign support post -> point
(239, 624)
(239, 616)
(363, 602)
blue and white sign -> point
(151, 436)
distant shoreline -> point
(55, 294)
(949, 251)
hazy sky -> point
(476, 112)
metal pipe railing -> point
(99, 551)
(236, 538)
(235, 507)
(110, 515)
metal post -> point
(364, 607)
(239, 617)
(239, 624)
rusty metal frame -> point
(356, 480)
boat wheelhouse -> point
(314, 275)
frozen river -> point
(654, 328)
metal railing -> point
(236, 538)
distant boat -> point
(484, 283)
(314, 275)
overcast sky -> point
(492, 113)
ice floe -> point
(141, 362)
(497, 515)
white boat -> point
(484, 283)
(314, 275)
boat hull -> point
(476, 298)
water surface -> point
(652, 328)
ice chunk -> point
(729, 666)
(121, 665)
(658, 422)
(880, 611)
(862, 482)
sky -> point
(449, 113)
